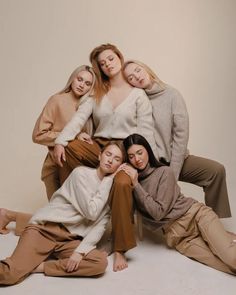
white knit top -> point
(80, 205)
(132, 115)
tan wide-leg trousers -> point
(200, 235)
(211, 176)
(35, 245)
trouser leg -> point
(78, 153)
(50, 176)
(210, 175)
(22, 220)
(94, 263)
(221, 242)
(121, 202)
(32, 249)
(185, 235)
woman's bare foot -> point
(6, 216)
(120, 262)
(39, 268)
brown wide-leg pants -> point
(37, 243)
(200, 235)
(211, 176)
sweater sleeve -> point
(180, 131)
(145, 125)
(95, 234)
(159, 201)
(43, 130)
(77, 122)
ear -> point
(99, 156)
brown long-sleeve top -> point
(57, 112)
(158, 195)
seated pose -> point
(57, 112)
(190, 227)
(69, 226)
(118, 110)
(171, 132)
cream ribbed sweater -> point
(133, 115)
(171, 125)
(80, 205)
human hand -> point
(59, 154)
(73, 262)
(85, 137)
(133, 173)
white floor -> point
(153, 269)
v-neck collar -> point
(123, 101)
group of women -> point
(85, 126)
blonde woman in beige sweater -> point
(171, 131)
(57, 112)
(69, 226)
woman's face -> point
(82, 83)
(138, 156)
(137, 76)
(110, 159)
(109, 63)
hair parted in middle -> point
(103, 83)
(140, 140)
(74, 74)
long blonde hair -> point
(103, 82)
(89, 126)
(73, 75)
(152, 75)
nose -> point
(136, 76)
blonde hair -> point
(73, 75)
(152, 75)
(103, 82)
(119, 144)
(88, 127)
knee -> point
(7, 275)
(101, 263)
(122, 179)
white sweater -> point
(80, 205)
(133, 115)
(171, 125)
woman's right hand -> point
(85, 137)
(59, 154)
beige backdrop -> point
(191, 44)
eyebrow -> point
(129, 154)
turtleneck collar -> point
(146, 172)
(156, 89)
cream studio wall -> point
(191, 44)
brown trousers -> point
(37, 243)
(50, 176)
(200, 235)
(211, 176)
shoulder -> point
(173, 93)
(84, 171)
(164, 171)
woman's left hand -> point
(133, 173)
(73, 262)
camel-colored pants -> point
(37, 243)
(200, 235)
(211, 176)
